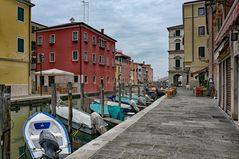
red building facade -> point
(80, 49)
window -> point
(177, 46)
(101, 60)
(51, 80)
(40, 57)
(86, 56)
(39, 40)
(113, 63)
(33, 28)
(108, 47)
(52, 57)
(108, 80)
(177, 32)
(113, 48)
(201, 30)
(20, 14)
(93, 40)
(85, 79)
(52, 39)
(75, 79)
(33, 45)
(75, 36)
(101, 43)
(93, 58)
(42, 80)
(201, 51)
(75, 55)
(201, 11)
(107, 61)
(177, 63)
(85, 36)
(20, 45)
(94, 79)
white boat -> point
(112, 103)
(80, 120)
(41, 129)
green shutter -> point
(20, 14)
(20, 45)
(177, 46)
(177, 63)
(177, 32)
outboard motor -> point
(133, 105)
(49, 143)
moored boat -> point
(46, 136)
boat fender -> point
(141, 101)
(98, 122)
(133, 105)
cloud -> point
(138, 26)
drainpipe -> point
(81, 76)
(29, 58)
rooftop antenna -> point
(85, 11)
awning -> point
(54, 72)
(229, 21)
(203, 70)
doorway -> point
(177, 80)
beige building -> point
(195, 42)
(224, 50)
(176, 74)
(15, 45)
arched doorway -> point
(177, 80)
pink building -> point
(123, 67)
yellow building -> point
(195, 41)
(15, 45)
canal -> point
(18, 147)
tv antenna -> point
(85, 11)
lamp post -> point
(41, 61)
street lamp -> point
(41, 56)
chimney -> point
(102, 31)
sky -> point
(139, 26)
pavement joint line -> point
(92, 147)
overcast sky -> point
(139, 26)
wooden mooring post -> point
(120, 87)
(5, 121)
(70, 105)
(130, 91)
(82, 96)
(53, 99)
(102, 97)
(138, 90)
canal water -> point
(18, 147)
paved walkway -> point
(184, 127)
